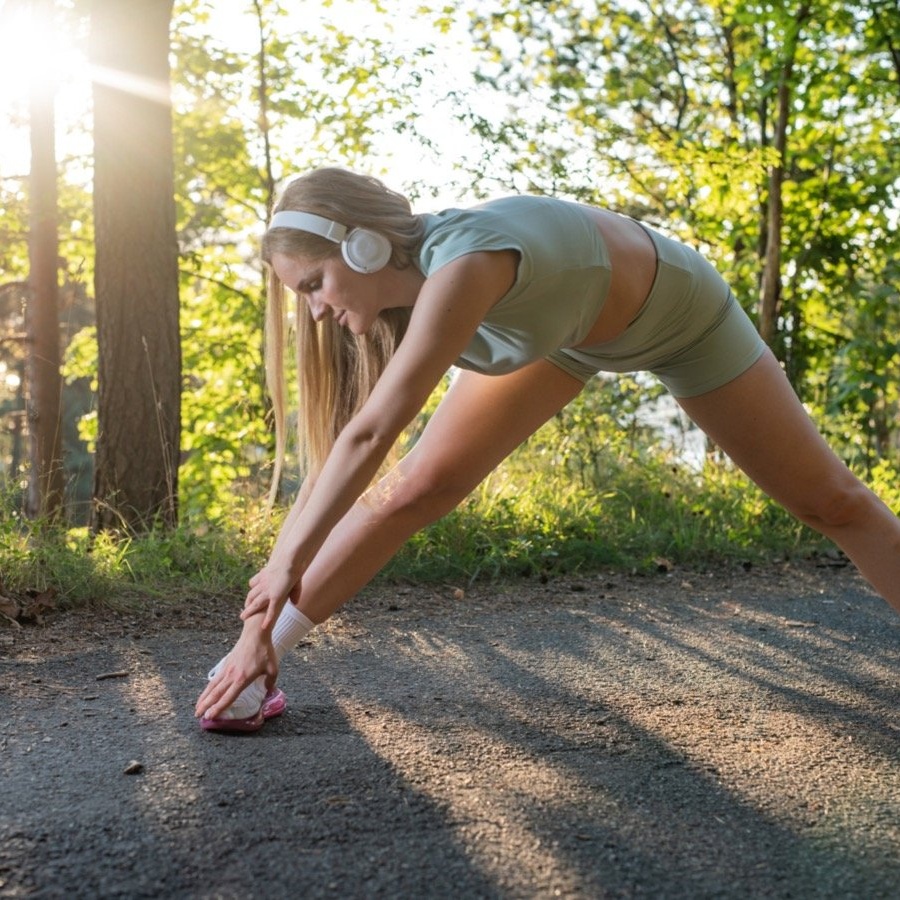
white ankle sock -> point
(290, 628)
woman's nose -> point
(318, 310)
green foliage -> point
(645, 508)
(597, 487)
(242, 124)
(75, 311)
(860, 401)
(526, 520)
(225, 441)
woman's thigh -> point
(758, 420)
(480, 421)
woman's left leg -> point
(760, 423)
(479, 422)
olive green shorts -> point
(691, 333)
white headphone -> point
(363, 250)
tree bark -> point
(770, 298)
(136, 269)
(44, 380)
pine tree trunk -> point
(44, 379)
(136, 271)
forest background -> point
(766, 134)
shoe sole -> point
(274, 705)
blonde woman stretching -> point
(529, 297)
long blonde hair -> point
(336, 369)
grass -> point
(534, 516)
(107, 569)
(527, 522)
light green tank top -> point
(561, 284)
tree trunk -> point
(770, 298)
(136, 270)
(44, 380)
(771, 279)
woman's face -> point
(331, 288)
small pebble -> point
(134, 768)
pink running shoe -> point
(275, 704)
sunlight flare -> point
(147, 88)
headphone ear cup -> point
(366, 251)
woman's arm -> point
(451, 305)
(296, 509)
(289, 521)
(479, 421)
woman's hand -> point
(269, 589)
(253, 655)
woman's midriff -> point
(633, 263)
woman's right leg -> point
(478, 423)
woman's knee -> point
(420, 493)
(840, 504)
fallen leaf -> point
(9, 607)
(38, 603)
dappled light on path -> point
(175, 773)
(487, 806)
(723, 735)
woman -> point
(529, 297)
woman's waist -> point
(633, 265)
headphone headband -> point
(304, 221)
(363, 250)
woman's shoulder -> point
(525, 223)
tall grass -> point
(85, 569)
(527, 520)
(531, 517)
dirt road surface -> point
(692, 735)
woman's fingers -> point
(255, 592)
(209, 695)
(253, 655)
(220, 703)
(219, 694)
(254, 607)
(200, 705)
(270, 616)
